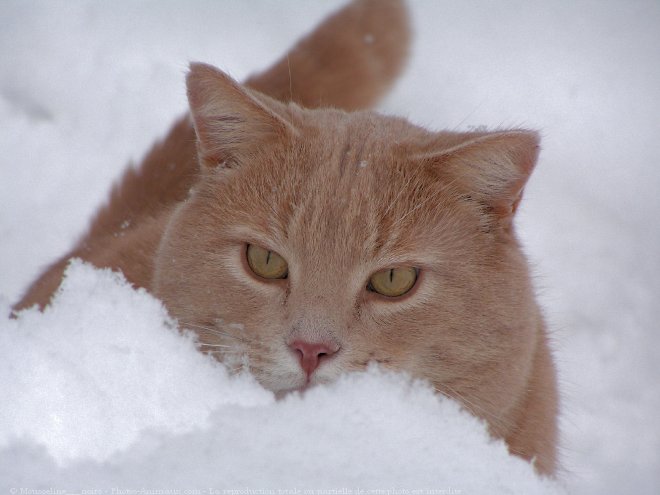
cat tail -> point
(349, 61)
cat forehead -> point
(346, 185)
(357, 131)
(333, 143)
(348, 154)
(350, 189)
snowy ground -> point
(87, 86)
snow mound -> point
(102, 391)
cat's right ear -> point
(490, 168)
(231, 123)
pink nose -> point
(312, 353)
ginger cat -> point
(311, 241)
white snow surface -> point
(133, 403)
(101, 391)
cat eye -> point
(393, 282)
(265, 263)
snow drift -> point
(101, 390)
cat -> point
(302, 236)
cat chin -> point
(283, 386)
(284, 393)
(302, 390)
(282, 383)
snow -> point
(90, 403)
(86, 86)
(118, 406)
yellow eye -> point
(266, 264)
(393, 282)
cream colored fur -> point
(340, 195)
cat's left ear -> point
(491, 168)
(232, 123)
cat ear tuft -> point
(492, 168)
(231, 121)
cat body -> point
(334, 199)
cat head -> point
(318, 241)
